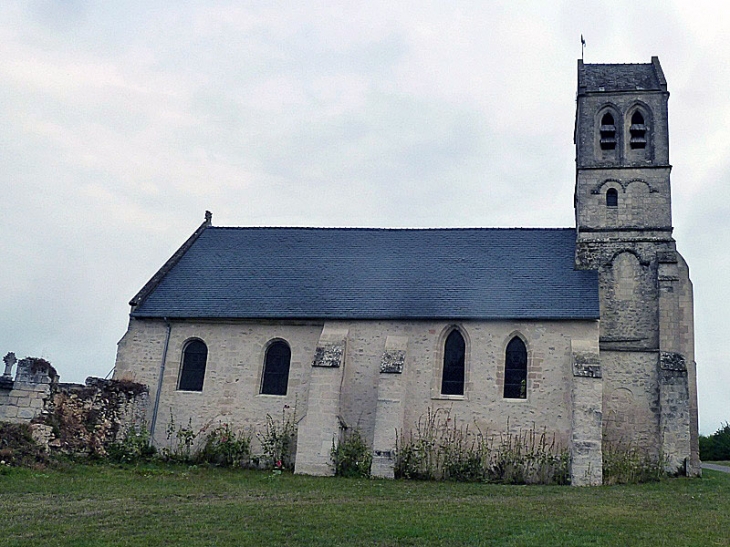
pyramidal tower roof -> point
(612, 78)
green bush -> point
(133, 448)
(225, 447)
(18, 449)
(351, 457)
(716, 447)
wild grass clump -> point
(220, 445)
(223, 445)
(626, 464)
(351, 457)
(439, 450)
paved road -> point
(716, 467)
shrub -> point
(351, 457)
(225, 447)
(17, 447)
(133, 448)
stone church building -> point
(586, 332)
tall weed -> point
(278, 441)
(437, 449)
(624, 463)
(181, 441)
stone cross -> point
(9, 360)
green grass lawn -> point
(159, 505)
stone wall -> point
(24, 398)
(387, 374)
(231, 387)
(71, 418)
(86, 419)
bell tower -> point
(622, 152)
(624, 230)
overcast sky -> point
(122, 122)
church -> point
(585, 332)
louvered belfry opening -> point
(637, 131)
(608, 132)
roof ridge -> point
(392, 229)
(617, 64)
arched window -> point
(452, 381)
(608, 132)
(195, 356)
(515, 370)
(276, 369)
(637, 131)
(612, 197)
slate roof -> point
(621, 77)
(360, 273)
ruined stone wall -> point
(86, 419)
(24, 397)
(72, 418)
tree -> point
(716, 446)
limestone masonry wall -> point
(377, 376)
